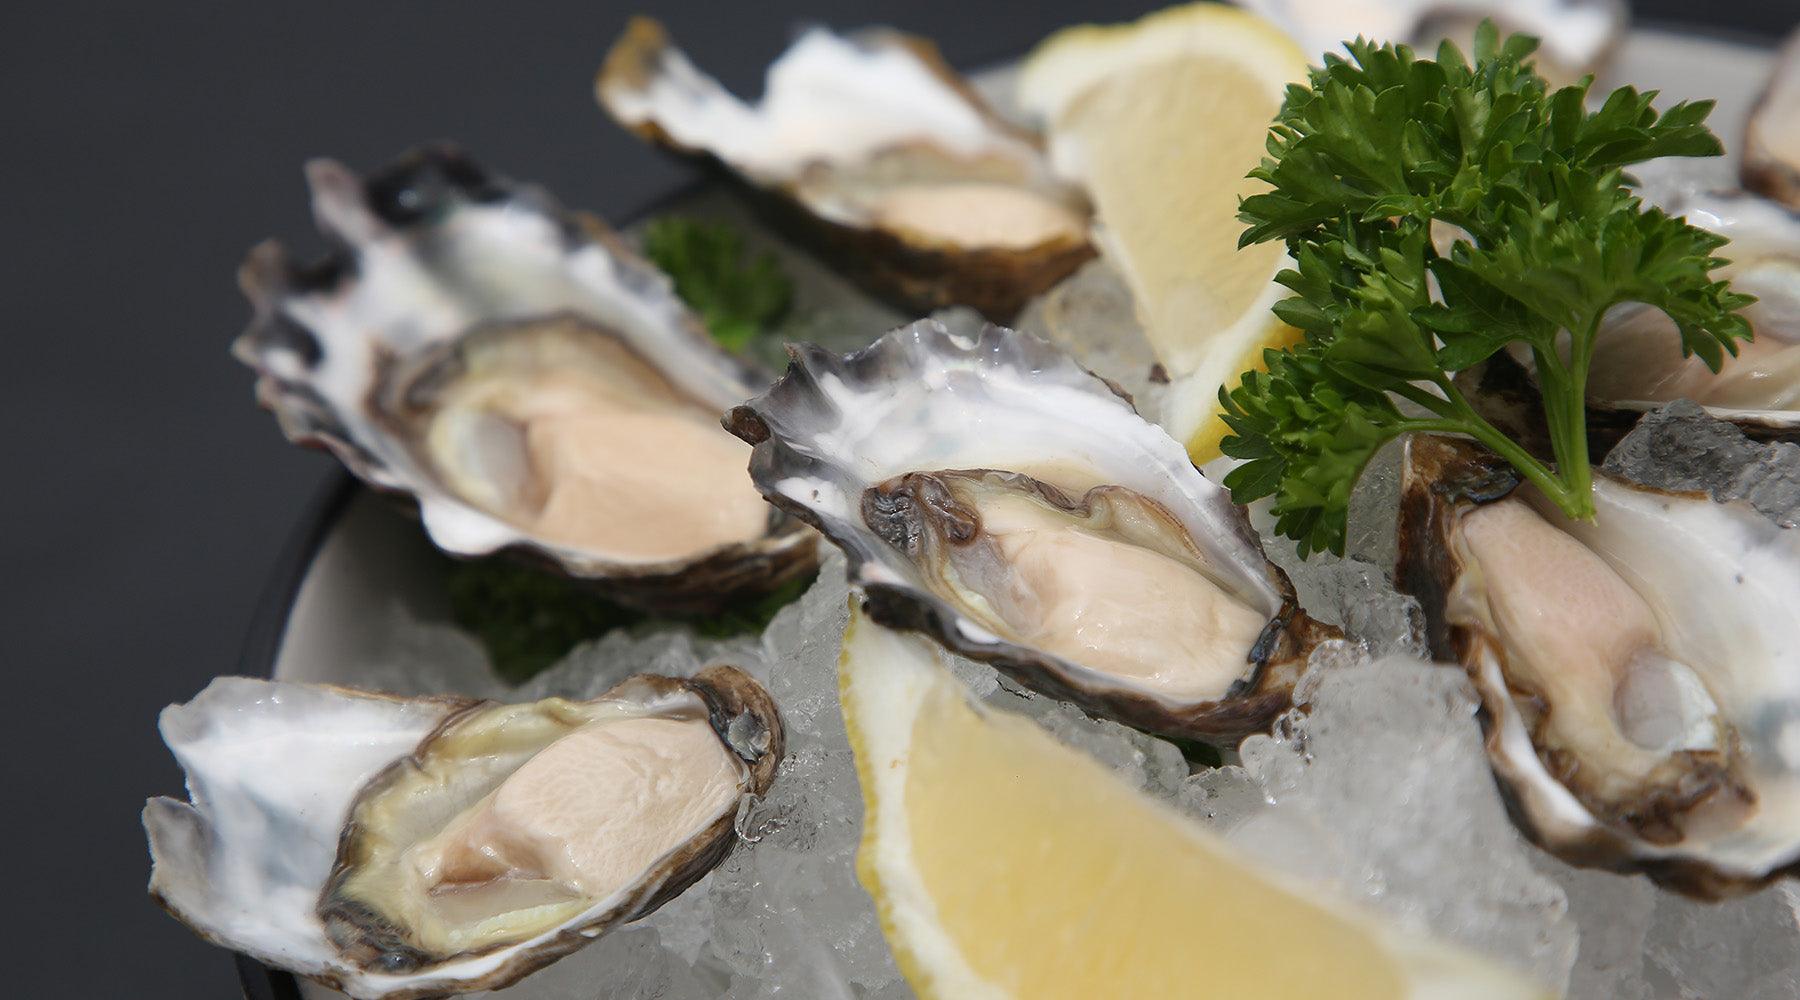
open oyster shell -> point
(875, 154)
(1002, 499)
(1575, 36)
(1638, 363)
(414, 847)
(524, 376)
(1772, 138)
(1639, 673)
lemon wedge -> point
(1004, 864)
(1160, 120)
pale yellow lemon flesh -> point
(1160, 121)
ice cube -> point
(1746, 949)
(1356, 596)
(1613, 913)
(1091, 315)
(1381, 790)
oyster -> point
(392, 847)
(1772, 138)
(998, 497)
(521, 374)
(1639, 673)
(877, 155)
(1575, 36)
(1638, 362)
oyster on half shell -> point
(877, 155)
(524, 376)
(396, 848)
(1772, 138)
(995, 495)
(1639, 673)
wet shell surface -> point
(995, 495)
(1638, 673)
(524, 376)
(1772, 138)
(415, 847)
(875, 154)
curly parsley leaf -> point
(1439, 211)
(738, 296)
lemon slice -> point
(1004, 864)
(1160, 120)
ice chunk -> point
(1680, 447)
(1356, 596)
(1613, 913)
(1747, 949)
(628, 964)
(1381, 790)
(414, 656)
(1091, 315)
(1223, 796)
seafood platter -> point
(1284, 499)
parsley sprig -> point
(1438, 212)
(737, 295)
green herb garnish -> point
(736, 295)
(524, 617)
(528, 618)
(1363, 161)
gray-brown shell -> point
(275, 770)
(836, 434)
(435, 254)
(1443, 480)
(650, 87)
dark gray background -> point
(144, 148)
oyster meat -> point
(1639, 673)
(526, 378)
(1575, 36)
(394, 848)
(1772, 138)
(877, 155)
(998, 497)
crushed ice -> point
(1380, 789)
